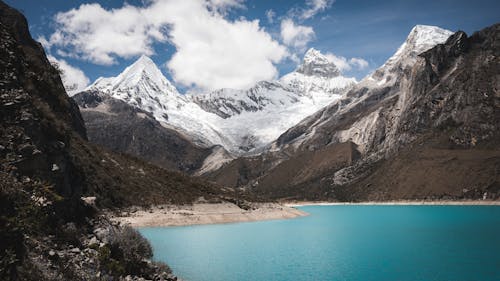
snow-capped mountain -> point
(318, 78)
(317, 64)
(238, 120)
(142, 85)
(363, 104)
(248, 120)
(141, 79)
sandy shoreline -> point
(204, 213)
(415, 203)
(220, 213)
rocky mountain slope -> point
(421, 126)
(120, 127)
(53, 182)
(240, 121)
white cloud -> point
(211, 51)
(314, 7)
(344, 64)
(92, 33)
(73, 78)
(222, 6)
(359, 63)
(297, 36)
(270, 15)
(227, 3)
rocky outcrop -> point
(38, 118)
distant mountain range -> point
(240, 121)
(315, 134)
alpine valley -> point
(429, 115)
(79, 174)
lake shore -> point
(402, 202)
(204, 213)
(221, 213)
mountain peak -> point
(143, 73)
(143, 66)
(144, 59)
(427, 36)
(420, 39)
(317, 64)
(312, 54)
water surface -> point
(340, 243)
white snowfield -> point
(239, 120)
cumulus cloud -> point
(73, 78)
(92, 33)
(344, 64)
(211, 51)
(314, 7)
(297, 36)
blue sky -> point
(366, 30)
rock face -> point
(417, 125)
(38, 118)
(241, 121)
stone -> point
(55, 168)
(93, 241)
(89, 200)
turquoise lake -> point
(340, 243)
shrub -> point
(109, 264)
(129, 248)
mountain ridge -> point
(250, 122)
